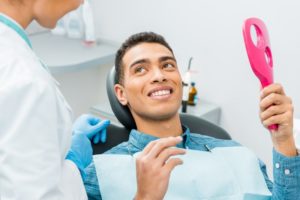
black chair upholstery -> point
(121, 112)
(117, 134)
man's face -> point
(152, 85)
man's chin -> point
(156, 113)
(161, 115)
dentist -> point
(37, 159)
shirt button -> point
(287, 171)
(277, 165)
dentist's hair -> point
(143, 37)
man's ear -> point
(121, 94)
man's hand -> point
(277, 108)
(154, 166)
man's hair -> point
(143, 37)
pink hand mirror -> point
(259, 53)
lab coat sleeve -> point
(31, 163)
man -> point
(150, 85)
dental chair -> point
(117, 134)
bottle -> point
(75, 24)
(184, 97)
(192, 94)
(89, 25)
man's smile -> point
(162, 92)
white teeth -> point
(161, 93)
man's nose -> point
(158, 75)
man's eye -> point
(168, 65)
(139, 69)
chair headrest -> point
(122, 113)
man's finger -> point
(172, 163)
(148, 148)
(273, 88)
(168, 152)
(163, 143)
(273, 110)
(282, 119)
(272, 99)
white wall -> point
(211, 32)
(84, 88)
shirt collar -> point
(140, 140)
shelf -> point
(206, 110)
(62, 54)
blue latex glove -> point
(81, 152)
(86, 128)
(92, 127)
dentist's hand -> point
(86, 128)
(81, 152)
(154, 167)
(92, 127)
(277, 108)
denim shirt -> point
(286, 171)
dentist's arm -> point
(31, 154)
(154, 167)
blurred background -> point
(211, 33)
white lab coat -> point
(35, 128)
